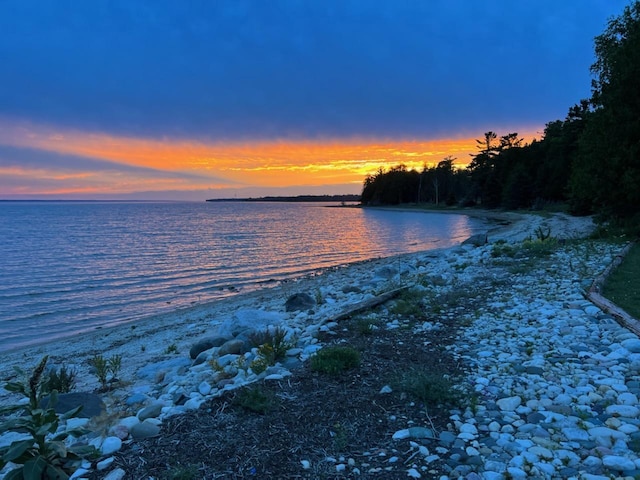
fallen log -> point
(369, 304)
(595, 296)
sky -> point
(188, 100)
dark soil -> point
(325, 419)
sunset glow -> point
(220, 165)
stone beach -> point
(555, 381)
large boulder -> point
(477, 240)
(299, 301)
(92, 405)
(206, 344)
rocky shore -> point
(554, 380)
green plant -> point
(259, 365)
(334, 360)
(173, 348)
(44, 455)
(254, 399)
(272, 344)
(62, 380)
(103, 367)
(541, 234)
(340, 436)
(432, 388)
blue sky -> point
(237, 71)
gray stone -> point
(351, 289)
(92, 405)
(477, 240)
(421, 432)
(144, 430)
(206, 344)
(152, 411)
(299, 301)
(234, 347)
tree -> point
(606, 175)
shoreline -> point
(183, 325)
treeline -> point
(590, 160)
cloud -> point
(25, 171)
(247, 69)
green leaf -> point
(56, 473)
(16, 387)
(85, 451)
(15, 474)
(57, 448)
(46, 428)
(33, 469)
(16, 449)
(10, 409)
(71, 413)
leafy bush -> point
(62, 380)
(334, 360)
(44, 454)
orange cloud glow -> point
(259, 163)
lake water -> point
(69, 267)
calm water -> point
(69, 267)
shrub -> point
(431, 388)
(105, 367)
(44, 454)
(334, 360)
(254, 399)
(61, 380)
(272, 344)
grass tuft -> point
(335, 360)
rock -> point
(477, 240)
(351, 289)
(206, 344)
(144, 430)
(235, 347)
(110, 445)
(152, 411)
(617, 462)
(104, 464)
(632, 344)
(117, 474)
(299, 301)
(509, 404)
(421, 432)
(623, 411)
(92, 405)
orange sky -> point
(194, 165)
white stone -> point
(117, 474)
(575, 434)
(509, 404)
(541, 452)
(401, 434)
(413, 473)
(618, 463)
(468, 428)
(204, 388)
(631, 344)
(472, 452)
(76, 423)
(110, 445)
(627, 398)
(306, 464)
(129, 421)
(104, 464)
(386, 389)
(623, 411)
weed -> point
(429, 387)
(334, 360)
(259, 365)
(543, 235)
(173, 348)
(63, 380)
(104, 367)
(44, 455)
(340, 436)
(254, 399)
(272, 344)
(364, 326)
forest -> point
(589, 161)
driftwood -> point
(368, 304)
(594, 295)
